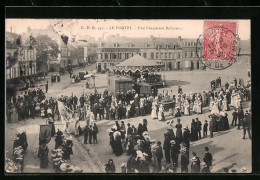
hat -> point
(186, 128)
(178, 119)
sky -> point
(131, 28)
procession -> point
(137, 116)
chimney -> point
(179, 38)
(11, 29)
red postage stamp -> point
(219, 41)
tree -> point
(45, 47)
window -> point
(157, 55)
(144, 55)
(161, 55)
(179, 55)
(186, 54)
(106, 55)
(152, 55)
(166, 55)
(192, 54)
(170, 55)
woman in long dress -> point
(224, 106)
(179, 131)
(211, 103)
(14, 115)
(161, 113)
(199, 107)
(154, 112)
(195, 106)
(117, 143)
(215, 109)
(237, 101)
(232, 103)
(186, 108)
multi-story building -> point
(173, 53)
(20, 60)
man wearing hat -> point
(184, 160)
(167, 148)
(186, 138)
(246, 123)
(175, 151)
(207, 158)
(198, 123)
(240, 115)
(205, 129)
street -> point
(227, 147)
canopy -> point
(137, 61)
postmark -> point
(217, 46)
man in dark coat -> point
(240, 115)
(46, 87)
(207, 158)
(234, 120)
(86, 133)
(90, 134)
(211, 126)
(167, 148)
(184, 160)
(198, 127)
(175, 151)
(159, 156)
(186, 138)
(246, 125)
(205, 129)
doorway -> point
(192, 65)
(198, 65)
(170, 66)
(178, 65)
(99, 67)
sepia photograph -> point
(128, 96)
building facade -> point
(172, 53)
(20, 60)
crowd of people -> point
(146, 154)
(30, 104)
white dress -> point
(215, 109)
(160, 114)
(186, 108)
(232, 103)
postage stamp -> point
(219, 44)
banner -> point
(45, 133)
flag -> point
(45, 133)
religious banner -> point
(45, 134)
